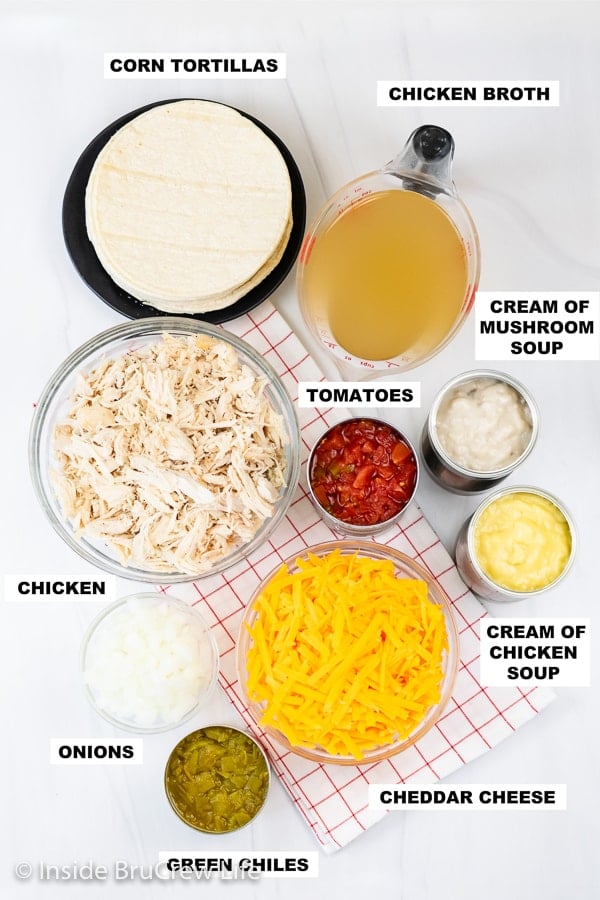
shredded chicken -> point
(171, 454)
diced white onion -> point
(148, 664)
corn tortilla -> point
(188, 206)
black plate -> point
(90, 268)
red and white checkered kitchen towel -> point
(333, 799)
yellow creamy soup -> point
(389, 275)
(522, 542)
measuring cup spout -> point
(428, 156)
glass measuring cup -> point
(389, 269)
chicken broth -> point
(389, 276)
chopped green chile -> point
(217, 779)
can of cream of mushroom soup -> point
(482, 425)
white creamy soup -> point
(484, 425)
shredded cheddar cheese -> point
(345, 656)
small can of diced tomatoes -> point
(362, 474)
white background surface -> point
(530, 179)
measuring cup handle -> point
(428, 151)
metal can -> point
(181, 780)
(450, 474)
(347, 528)
(470, 567)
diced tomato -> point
(400, 452)
(353, 454)
(321, 495)
(368, 446)
(380, 456)
(345, 494)
(385, 437)
(363, 477)
(397, 494)
(335, 441)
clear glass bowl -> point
(404, 567)
(54, 406)
(158, 649)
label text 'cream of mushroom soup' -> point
(537, 325)
(339, 394)
(195, 65)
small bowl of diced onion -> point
(148, 662)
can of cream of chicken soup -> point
(518, 543)
(481, 426)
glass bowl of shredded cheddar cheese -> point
(347, 652)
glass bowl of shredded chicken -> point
(164, 450)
